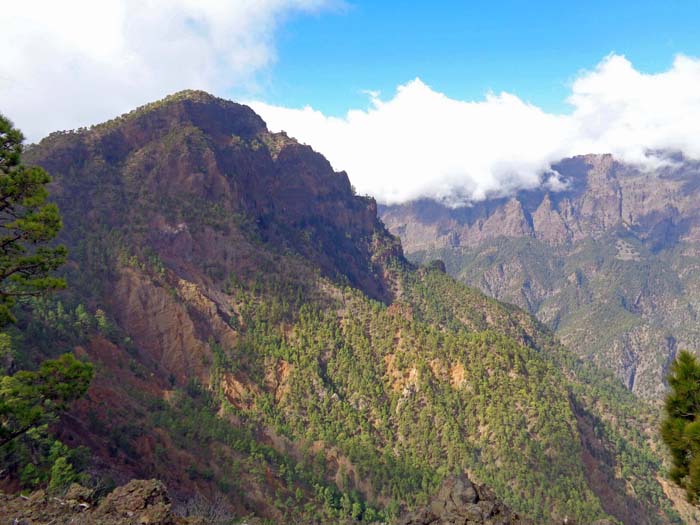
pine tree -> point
(680, 429)
(30, 400)
(27, 224)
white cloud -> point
(76, 62)
(421, 143)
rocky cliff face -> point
(610, 261)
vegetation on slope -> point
(241, 349)
(31, 400)
(606, 309)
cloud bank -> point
(72, 63)
(421, 143)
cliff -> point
(609, 261)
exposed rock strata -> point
(611, 261)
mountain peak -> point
(199, 108)
(192, 94)
(192, 147)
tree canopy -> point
(30, 400)
(680, 428)
(27, 223)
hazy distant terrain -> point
(611, 263)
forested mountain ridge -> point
(609, 260)
(259, 338)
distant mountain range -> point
(260, 340)
(611, 262)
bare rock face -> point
(509, 220)
(160, 325)
(600, 206)
(610, 261)
(460, 502)
(548, 223)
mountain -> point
(260, 341)
(611, 261)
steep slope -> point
(259, 339)
(611, 262)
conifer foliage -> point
(31, 400)
(680, 429)
(27, 223)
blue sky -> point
(465, 49)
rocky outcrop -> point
(460, 502)
(510, 220)
(548, 223)
(140, 502)
(600, 194)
